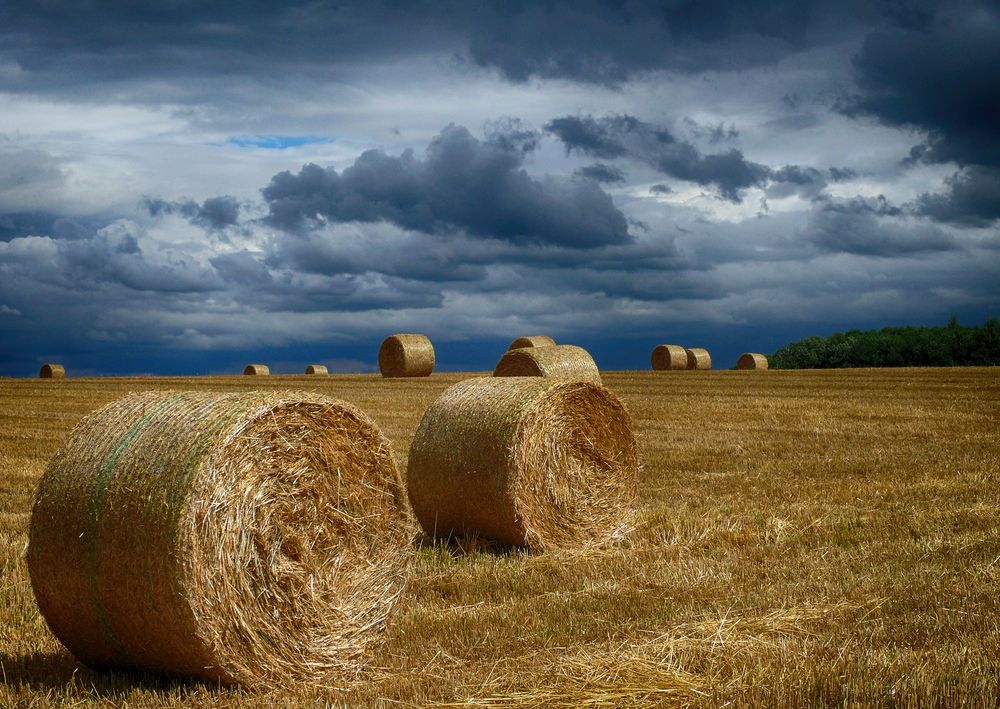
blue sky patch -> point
(276, 142)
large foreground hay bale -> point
(255, 538)
(698, 358)
(525, 461)
(256, 370)
(532, 341)
(557, 361)
(751, 360)
(52, 371)
(406, 355)
(666, 357)
(316, 369)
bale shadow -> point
(60, 671)
(459, 546)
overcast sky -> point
(188, 186)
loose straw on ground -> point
(52, 371)
(406, 355)
(525, 461)
(532, 341)
(256, 370)
(751, 360)
(256, 538)
(668, 357)
(316, 369)
(558, 361)
(698, 358)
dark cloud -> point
(601, 172)
(842, 174)
(941, 76)
(661, 189)
(462, 184)
(214, 213)
(873, 228)
(794, 179)
(623, 135)
(971, 198)
(596, 41)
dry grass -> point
(819, 538)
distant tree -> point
(951, 345)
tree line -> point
(952, 345)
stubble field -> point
(803, 538)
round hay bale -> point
(406, 356)
(698, 358)
(525, 461)
(255, 538)
(52, 371)
(666, 357)
(256, 370)
(316, 369)
(751, 360)
(558, 361)
(532, 341)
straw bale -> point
(406, 355)
(751, 360)
(52, 371)
(532, 341)
(253, 538)
(669, 357)
(525, 461)
(698, 358)
(316, 369)
(256, 370)
(559, 361)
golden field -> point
(804, 538)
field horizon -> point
(804, 537)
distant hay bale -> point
(525, 461)
(406, 355)
(751, 360)
(246, 538)
(532, 341)
(558, 361)
(669, 357)
(698, 358)
(256, 370)
(316, 369)
(52, 371)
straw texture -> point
(257, 538)
(316, 369)
(406, 355)
(698, 358)
(558, 361)
(532, 341)
(751, 360)
(666, 357)
(525, 461)
(52, 371)
(256, 370)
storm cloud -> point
(462, 184)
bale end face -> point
(256, 370)
(668, 357)
(406, 355)
(751, 360)
(532, 341)
(698, 358)
(52, 371)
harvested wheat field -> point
(818, 538)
